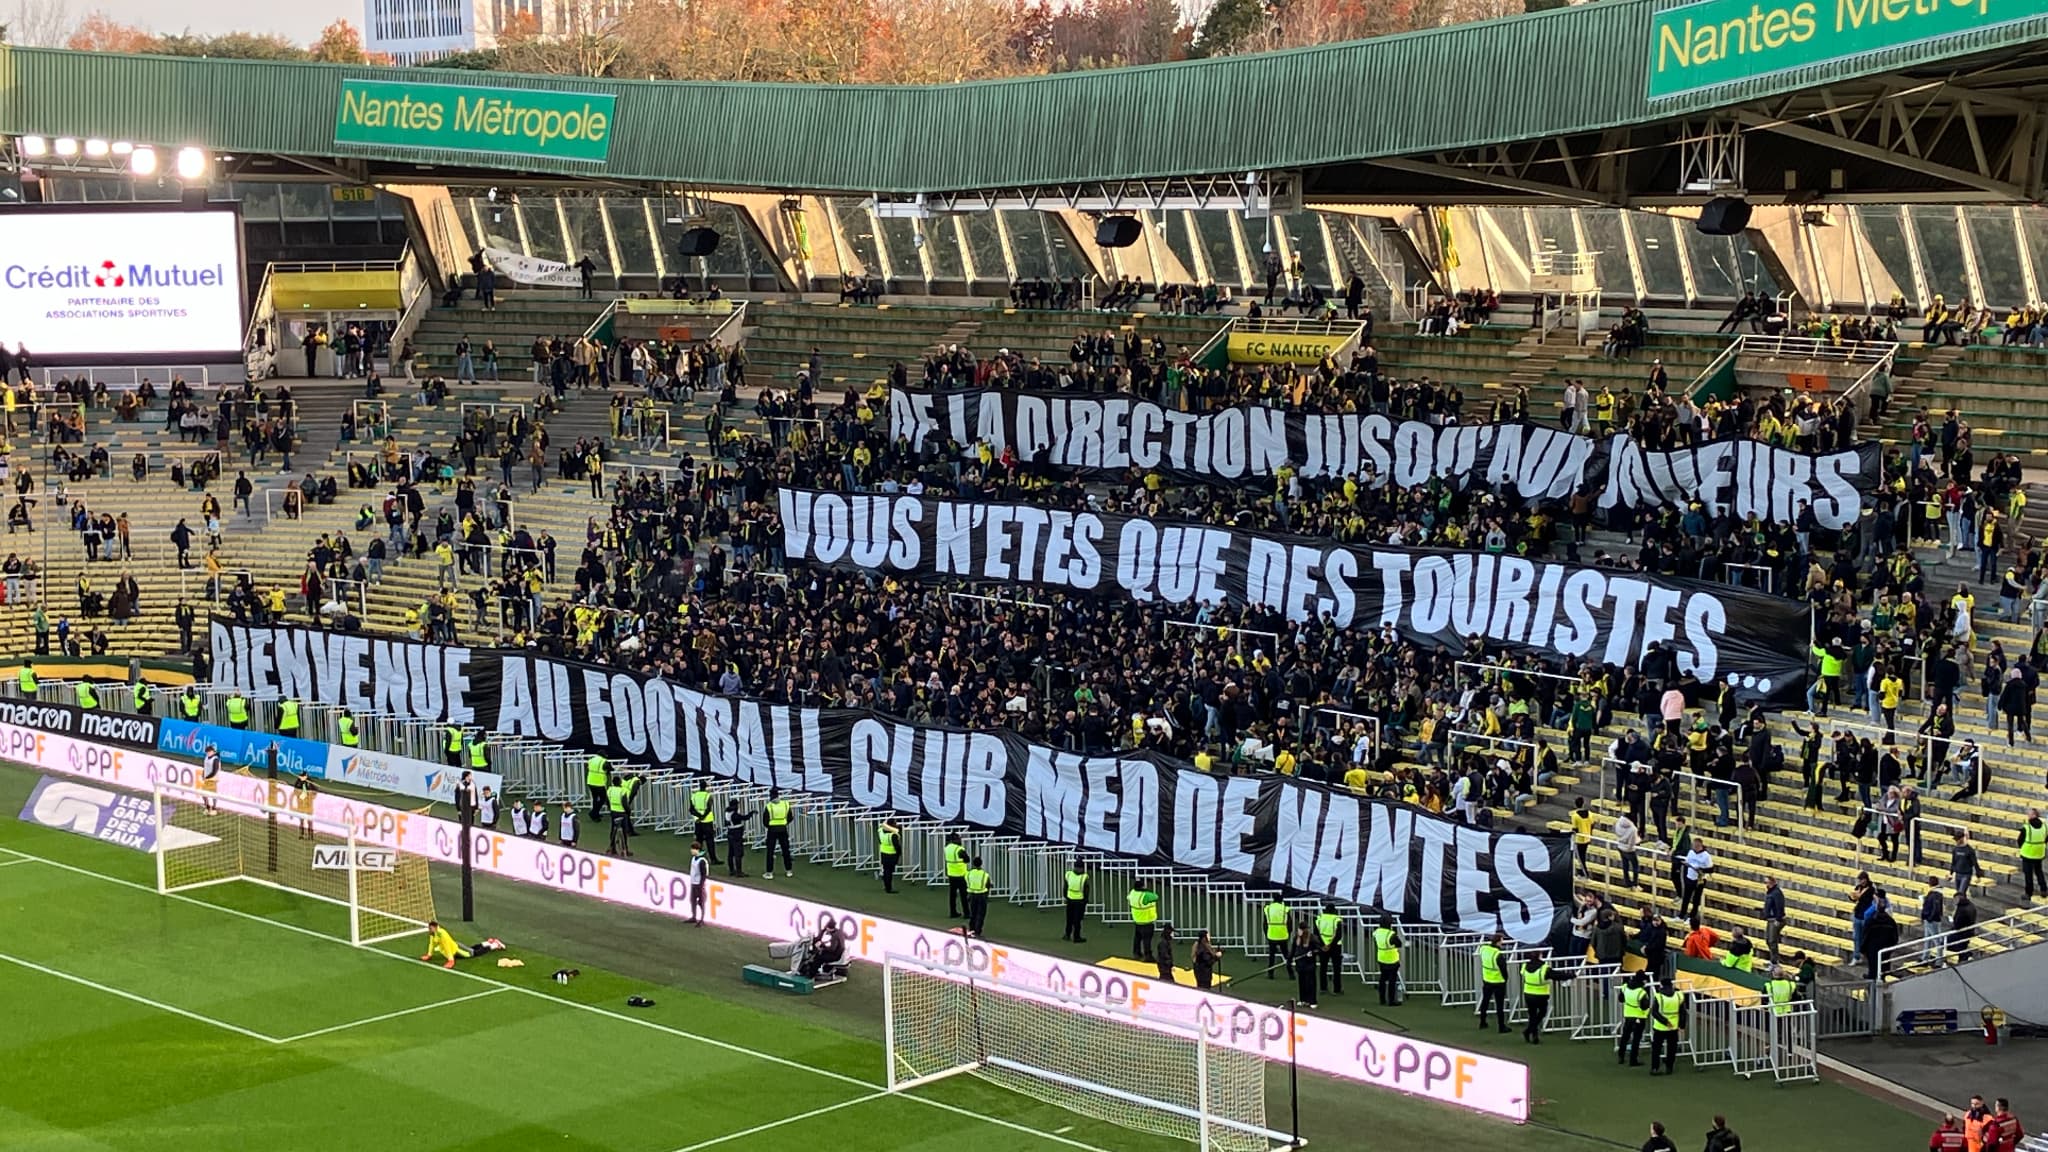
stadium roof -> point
(1619, 102)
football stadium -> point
(1109, 576)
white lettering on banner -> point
(1248, 443)
(1741, 477)
(1571, 611)
(1256, 829)
(418, 681)
(1465, 1079)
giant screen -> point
(105, 284)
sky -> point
(299, 20)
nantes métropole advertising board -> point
(468, 118)
(1699, 45)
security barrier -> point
(1742, 1033)
(1781, 1042)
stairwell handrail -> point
(412, 303)
(1707, 373)
(728, 331)
(1220, 339)
(611, 309)
(2000, 933)
(1862, 383)
(259, 357)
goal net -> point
(1162, 1076)
(204, 839)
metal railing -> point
(259, 359)
(2015, 929)
(611, 309)
(300, 266)
(729, 332)
(1219, 341)
(127, 378)
(1714, 366)
(1816, 348)
(414, 300)
(1848, 1008)
(1739, 1030)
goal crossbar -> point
(204, 839)
(1093, 1058)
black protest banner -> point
(1266, 831)
(1439, 598)
(1742, 477)
(1248, 445)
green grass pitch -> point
(233, 1017)
(236, 1017)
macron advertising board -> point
(117, 284)
(1323, 1044)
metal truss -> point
(1588, 170)
(1983, 132)
(1258, 193)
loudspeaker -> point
(1118, 231)
(1723, 216)
(698, 242)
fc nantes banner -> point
(1282, 347)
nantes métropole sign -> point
(465, 118)
(1694, 46)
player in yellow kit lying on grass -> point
(440, 943)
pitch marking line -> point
(16, 860)
(393, 1015)
(537, 994)
(143, 1000)
(786, 1120)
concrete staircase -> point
(520, 316)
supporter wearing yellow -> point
(1582, 834)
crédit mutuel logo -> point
(106, 273)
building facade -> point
(417, 31)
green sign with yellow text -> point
(1694, 46)
(460, 118)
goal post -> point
(1148, 1073)
(205, 839)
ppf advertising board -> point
(1472, 1080)
(78, 286)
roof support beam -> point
(1557, 192)
(1913, 163)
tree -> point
(339, 43)
(587, 44)
(38, 23)
(99, 32)
(1232, 26)
(1112, 33)
(230, 46)
(482, 60)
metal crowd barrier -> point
(1711, 1039)
(1783, 1044)
(1591, 1002)
(1743, 1032)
